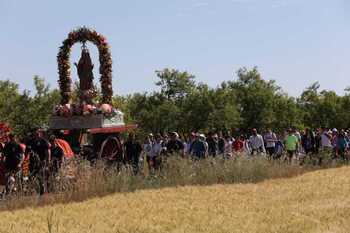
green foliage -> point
(183, 105)
(24, 111)
(324, 108)
(175, 85)
(286, 113)
(262, 104)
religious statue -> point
(86, 77)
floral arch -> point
(83, 35)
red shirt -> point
(238, 145)
(67, 150)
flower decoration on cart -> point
(84, 67)
(82, 35)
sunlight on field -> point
(315, 202)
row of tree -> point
(184, 105)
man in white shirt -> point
(256, 142)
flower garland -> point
(84, 34)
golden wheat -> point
(314, 202)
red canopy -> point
(115, 129)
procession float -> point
(88, 119)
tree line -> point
(184, 105)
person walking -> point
(256, 142)
(41, 147)
(213, 145)
(147, 152)
(228, 147)
(318, 142)
(342, 146)
(291, 145)
(57, 156)
(14, 154)
(238, 144)
(133, 151)
(270, 142)
(154, 158)
(221, 144)
(326, 140)
(198, 148)
(308, 144)
(175, 145)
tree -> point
(196, 109)
(225, 113)
(286, 113)
(9, 95)
(322, 108)
(43, 102)
(23, 111)
(255, 98)
(175, 85)
(309, 102)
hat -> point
(202, 136)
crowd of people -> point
(39, 154)
(315, 144)
(34, 156)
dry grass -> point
(314, 202)
(96, 181)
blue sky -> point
(295, 42)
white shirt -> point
(325, 140)
(156, 149)
(257, 141)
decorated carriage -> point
(89, 122)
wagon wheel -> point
(111, 149)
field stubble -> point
(313, 202)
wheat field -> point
(314, 202)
